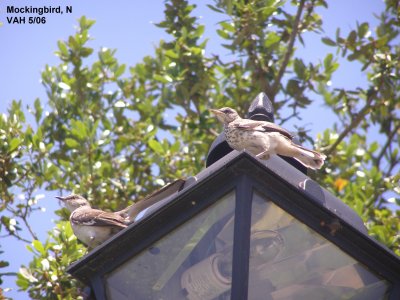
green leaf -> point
(120, 70)
(85, 51)
(29, 248)
(272, 39)
(171, 54)
(175, 147)
(215, 8)
(328, 61)
(199, 31)
(373, 147)
(330, 65)
(159, 78)
(83, 22)
(39, 247)
(352, 37)
(328, 41)
(67, 229)
(4, 264)
(14, 143)
(22, 282)
(79, 130)
(71, 143)
(163, 78)
(223, 33)
(156, 146)
(363, 29)
(228, 26)
(38, 109)
(267, 11)
(299, 68)
(86, 23)
(63, 48)
(293, 87)
(354, 56)
(73, 43)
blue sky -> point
(127, 26)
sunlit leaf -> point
(14, 143)
(39, 247)
(64, 86)
(27, 274)
(156, 146)
(71, 143)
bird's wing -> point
(96, 217)
(263, 126)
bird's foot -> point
(263, 155)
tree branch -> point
(387, 144)
(17, 236)
(353, 124)
(9, 274)
(260, 72)
(29, 228)
(289, 51)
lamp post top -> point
(261, 109)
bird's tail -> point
(311, 159)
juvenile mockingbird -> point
(92, 226)
(263, 139)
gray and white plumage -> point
(92, 226)
(264, 139)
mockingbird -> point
(264, 139)
(92, 226)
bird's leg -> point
(263, 155)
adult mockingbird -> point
(92, 226)
(263, 139)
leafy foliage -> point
(45, 278)
(115, 133)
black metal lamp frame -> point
(278, 181)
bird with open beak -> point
(92, 226)
(263, 139)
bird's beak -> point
(216, 112)
(60, 198)
(219, 114)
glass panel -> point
(194, 261)
(289, 261)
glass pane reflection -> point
(289, 261)
(193, 262)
